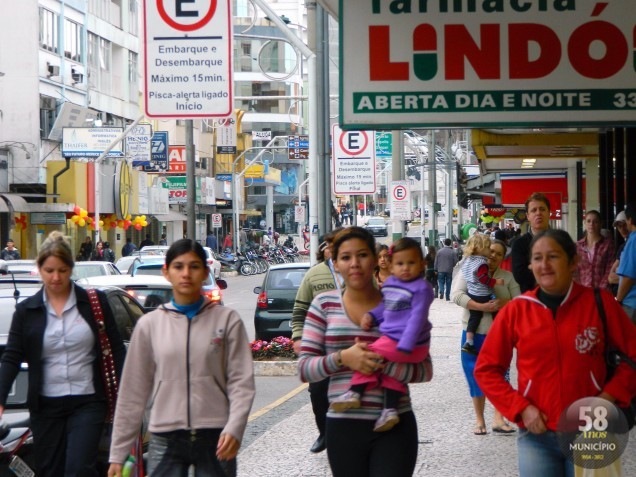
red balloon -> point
(138, 226)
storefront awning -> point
(171, 216)
(15, 202)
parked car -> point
(377, 226)
(276, 297)
(152, 289)
(93, 269)
(213, 263)
(22, 267)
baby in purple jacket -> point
(406, 331)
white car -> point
(93, 269)
(213, 263)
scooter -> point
(16, 446)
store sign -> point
(90, 142)
(188, 58)
(47, 218)
(474, 63)
(226, 135)
(177, 189)
(177, 159)
(261, 135)
(138, 145)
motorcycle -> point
(16, 446)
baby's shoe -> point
(348, 400)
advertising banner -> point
(476, 63)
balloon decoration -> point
(107, 222)
(20, 222)
(139, 222)
(80, 216)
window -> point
(133, 87)
(99, 62)
(133, 17)
(47, 115)
(49, 30)
(73, 40)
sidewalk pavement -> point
(443, 408)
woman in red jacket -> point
(558, 334)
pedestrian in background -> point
(163, 241)
(128, 247)
(108, 253)
(503, 294)
(193, 359)
(86, 250)
(334, 346)
(445, 261)
(320, 278)
(383, 270)
(212, 242)
(596, 254)
(227, 242)
(56, 333)
(538, 214)
(555, 369)
(620, 223)
(431, 273)
(10, 252)
(147, 242)
(626, 294)
(98, 252)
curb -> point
(275, 368)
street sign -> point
(299, 214)
(216, 221)
(159, 152)
(486, 63)
(138, 145)
(188, 58)
(383, 144)
(224, 177)
(90, 142)
(298, 147)
(353, 155)
(226, 135)
(400, 200)
(177, 159)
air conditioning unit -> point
(78, 77)
(53, 70)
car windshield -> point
(85, 271)
(377, 221)
(285, 279)
(151, 297)
(149, 270)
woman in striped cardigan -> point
(334, 346)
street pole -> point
(397, 169)
(449, 189)
(312, 119)
(191, 188)
(432, 186)
(96, 171)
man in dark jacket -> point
(538, 214)
(146, 242)
(10, 252)
(445, 261)
(128, 248)
(109, 255)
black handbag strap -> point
(608, 358)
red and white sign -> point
(177, 159)
(187, 58)
(217, 221)
(486, 63)
(353, 159)
(400, 200)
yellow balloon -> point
(83, 213)
(144, 223)
(81, 222)
(75, 218)
(101, 223)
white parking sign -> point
(400, 200)
(188, 58)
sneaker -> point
(387, 420)
(348, 400)
(470, 349)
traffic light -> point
(462, 184)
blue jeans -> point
(171, 454)
(444, 280)
(540, 455)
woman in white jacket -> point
(191, 360)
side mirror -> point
(221, 283)
(258, 290)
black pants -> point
(66, 434)
(354, 450)
(475, 316)
(319, 395)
